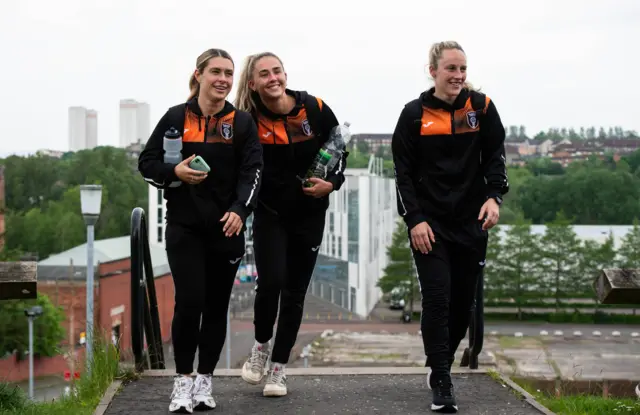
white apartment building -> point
(83, 128)
(360, 222)
(135, 122)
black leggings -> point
(286, 251)
(203, 264)
(448, 276)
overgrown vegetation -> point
(583, 404)
(89, 389)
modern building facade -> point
(135, 122)
(360, 222)
(83, 128)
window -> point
(159, 234)
(159, 196)
(160, 216)
(352, 251)
(339, 246)
(331, 222)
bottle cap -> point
(172, 133)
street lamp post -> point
(31, 313)
(90, 201)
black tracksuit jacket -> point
(449, 159)
(228, 142)
(290, 143)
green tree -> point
(493, 275)
(593, 258)
(400, 270)
(43, 198)
(629, 252)
(559, 252)
(585, 193)
(47, 329)
(519, 263)
(363, 147)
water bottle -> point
(172, 146)
(330, 153)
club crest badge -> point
(472, 119)
(226, 130)
(306, 128)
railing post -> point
(137, 303)
(155, 341)
(476, 327)
(145, 319)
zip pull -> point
(206, 127)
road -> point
(507, 328)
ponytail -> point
(194, 87)
(244, 101)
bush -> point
(89, 389)
(14, 332)
(12, 398)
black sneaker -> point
(444, 400)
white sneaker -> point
(181, 397)
(276, 382)
(202, 393)
(254, 369)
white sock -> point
(263, 347)
(278, 366)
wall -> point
(67, 294)
(115, 300)
(12, 370)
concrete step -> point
(334, 391)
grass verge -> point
(89, 389)
(584, 404)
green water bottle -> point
(318, 167)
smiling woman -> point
(206, 213)
(289, 221)
(448, 152)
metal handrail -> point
(476, 327)
(145, 320)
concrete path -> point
(324, 395)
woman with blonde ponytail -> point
(448, 152)
(289, 221)
(205, 217)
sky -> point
(548, 63)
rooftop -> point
(105, 250)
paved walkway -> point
(323, 395)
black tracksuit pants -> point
(203, 264)
(286, 250)
(448, 276)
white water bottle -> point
(172, 146)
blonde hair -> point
(244, 101)
(435, 54)
(201, 64)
